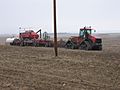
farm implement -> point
(31, 38)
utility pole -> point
(55, 28)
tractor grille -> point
(98, 40)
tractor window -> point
(88, 31)
(82, 33)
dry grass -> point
(36, 68)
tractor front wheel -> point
(70, 45)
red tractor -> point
(31, 38)
(85, 41)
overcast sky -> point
(103, 15)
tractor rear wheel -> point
(85, 46)
(100, 48)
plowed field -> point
(36, 68)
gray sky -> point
(103, 15)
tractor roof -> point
(87, 28)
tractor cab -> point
(85, 32)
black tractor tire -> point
(70, 45)
(67, 45)
(100, 48)
(85, 46)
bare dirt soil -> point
(36, 68)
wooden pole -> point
(55, 28)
